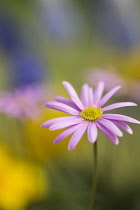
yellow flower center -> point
(91, 113)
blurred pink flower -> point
(135, 91)
(88, 115)
(22, 103)
(110, 78)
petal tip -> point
(135, 104)
(64, 82)
(41, 126)
(118, 87)
(70, 147)
(55, 98)
(131, 132)
(101, 83)
(46, 104)
(116, 142)
(120, 135)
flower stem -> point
(94, 176)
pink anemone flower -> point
(88, 115)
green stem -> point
(94, 176)
(20, 137)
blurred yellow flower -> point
(20, 182)
(130, 66)
(39, 143)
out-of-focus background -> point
(42, 43)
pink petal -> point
(118, 105)
(61, 107)
(92, 132)
(108, 95)
(110, 135)
(68, 131)
(123, 125)
(77, 135)
(72, 93)
(49, 123)
(120, 117)
(67, 101)
(65, 124)
(111, 127)
(85, 95)
(91, 96)
(98, 93)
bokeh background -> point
(42, 43)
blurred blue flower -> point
(62, 19)
(10, 38)
(115, 22)
(27, 68)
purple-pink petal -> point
(64, 134)
(108, 95)
(92, 132)
(49, 123)
(72, 93)
(65, 124)
(77, 135)
(111, 127)
(85, 95)
(98, 93)
(90, 96)
(123, 125)
(67, 101)
(120, 117)
(61, 107)
(118, 105)
(113, 138)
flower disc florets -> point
(91, 114)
